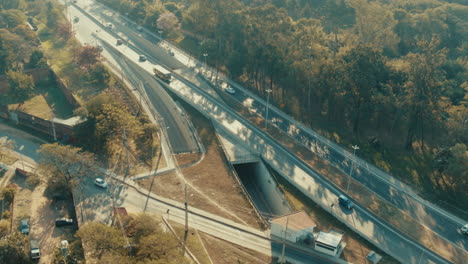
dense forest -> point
(389, 75)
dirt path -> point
(42, 212)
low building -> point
(295, 227)
(329, 243)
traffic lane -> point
(289, 165)
(221, 107)
(129, 33)
(176, 125)
(24, 142)
(137, 202)
(399, 201)
(295, 256)
(431, 218)
(93, 203)
(180, 135)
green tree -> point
(20, 86)
(8, 194)
(424, 88)
(100, 75)
(458, 167)
(88, 56)
(64, 165)
(6, 144)
(366, 74)
(37, 59)
(4, 228)
(65, 31)
(52, 18)
(101, 239)
(160, 246)
(12, 18)
(13, 249)
(169, 23)
(142, 225)
(14, 49)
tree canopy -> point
(66, 166)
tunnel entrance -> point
(263, 189)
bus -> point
(162, 73)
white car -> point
(100, 182)
(109, 25)
(64, 247)
(230, 90)
(464, 229)
(140, 28)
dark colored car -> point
(345, 202)
(24, 226)
(63, 222)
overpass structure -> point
(297, 172)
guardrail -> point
(384, 226)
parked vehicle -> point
(140, 28)
(464, 229)
(35, 251)
(345, 202)
(142, 58)
(76, 19)
(24, 226)
(100, 182)
(119, 42)
(63, 222)
(64, 247)
(109, 25)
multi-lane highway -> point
(319, 189)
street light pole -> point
(310, 72)
(355, 147)
(160, 32)
(205, 55)
(268, 106)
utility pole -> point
(126, 152)
(282, 258)
(355, 147)
(310, 72)
(53, 129)
(267, 107)
(186, 211)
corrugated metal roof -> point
(331, 239)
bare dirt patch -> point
(41, 211)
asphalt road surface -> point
(179, 133)
(390, 238)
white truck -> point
(35, 251)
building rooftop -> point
(331, 239)
(72, 121)
(296, 221)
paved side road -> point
(434, 218)
(216, 111)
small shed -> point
(295, 227)
(328, 243)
